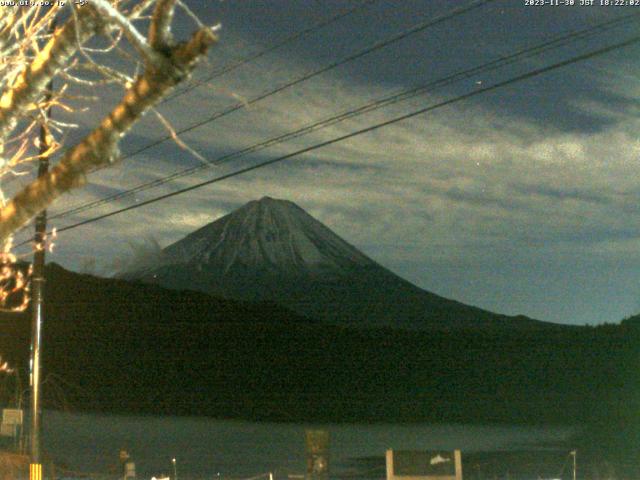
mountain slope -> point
(112, 345)
(273, 250)
(116, 346)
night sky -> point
(523, 200)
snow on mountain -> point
(267, 235)
(272, 250)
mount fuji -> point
(272, 250)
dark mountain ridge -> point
(129, 347)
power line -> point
(249, 58)
(381, 44)
(366, 108)
(519, 78)
(377, 46)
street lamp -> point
(175, 469)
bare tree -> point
(27, 69)
(32, 55)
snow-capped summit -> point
(272, 250)
(269, 236)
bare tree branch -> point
(160, 28)
(140, 9)
(32, 82)
(100, 147)
(113, 16)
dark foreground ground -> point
(113, 346)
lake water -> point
(205, 447)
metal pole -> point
(37, 305)
(37, 288)
(574, 463)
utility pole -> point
(37, 305)
(37, 299)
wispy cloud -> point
(459, 186)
